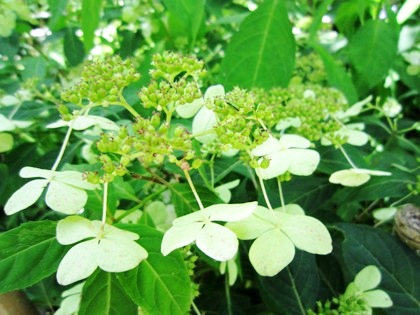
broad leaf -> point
(372, 51)
(365, 245)
(262, 53)
(73, 48)
(103, 294)
(160, 284)
(295, 289)
(91, 11)
(28, 254)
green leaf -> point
(73, 48)
(262, 53)
(57, 8)
(337, 76)
(34, 67)
(91, 12)
(185, 202)
(102, 294)
(6, 142)
(186, 17)
(28, 254)
(365, 245)
(160, 284)
(372, 51)
(295, 289)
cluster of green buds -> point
(175, 81)
(305, 109)
(353, 305)
(102, 82)
(309, 68)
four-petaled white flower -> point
(354, 177)
(289, 153)
(107, 247)
(277, 234)
(365, 281)
(65, 192)
(213, 239)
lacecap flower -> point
(289, 153)
(213, 239)
(107, 247)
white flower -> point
(289, 153)
(7, 124)
(223, 191)
(354, 110)
(277, 234)
(353, 132)
(355, 176)
(391, 107)
(65, 192)
(365, 281)
(84, 122)
(213, 239)
(109, 248)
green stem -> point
(104, 203)
(63, 146)
(127, 106)
(267, 201)
(195, 308)
(194, 191)
(281, 195)
(347, 157)
(227, 290)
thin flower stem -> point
(267, 201)
(63, 146)
(281, 194)
(347, 157)
(401, 199)
(128, 107)
(228, 297)
(105, 203)
(188, 177)
(195, 308)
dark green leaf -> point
(295, 289)
(102, 294)
(34, 67)
(160, 284)
(365, 245)
(28, 254)
(91, 12)
(73, 48)
(372, 51)
(57, 8)
(262, 53)
(185, 202)
(337, 76)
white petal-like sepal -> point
(65, 198)
(74, 229)
(217, 242)
(26, 196)
(271, 252)
(230, 212)
(303, 162)
(179, 236)
(294, 141)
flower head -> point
(65, 193)
(107, 247)
(277, 234)
(213, 239)
(289, 153)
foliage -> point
(197, 154)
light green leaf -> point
(28, 254)
(372, 51)
(271, 252)
(262, 53)
(34, 67)
(91, 12)
(6, 142)
(308, 234)
(167, 275)
(377, 298)
(103, 294)
(65, 198)
(26, 196)
(217, 242)
(368, 278)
